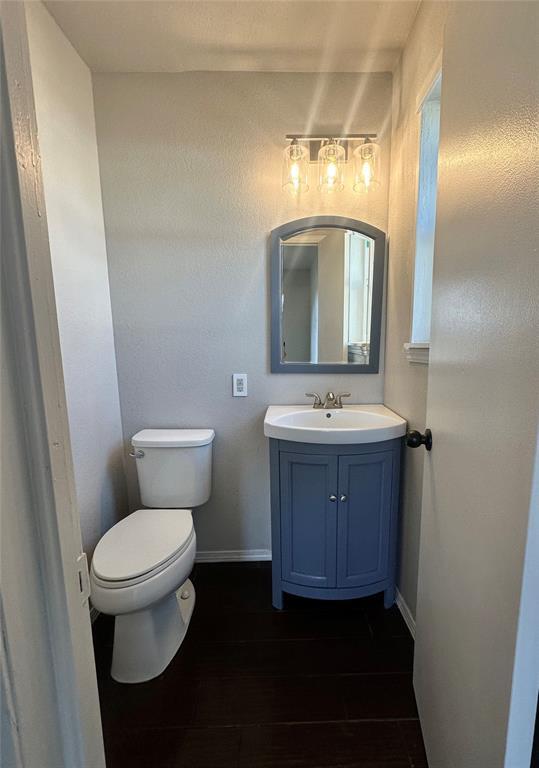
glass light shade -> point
(295, 169)
(331, 159)
(366, 167)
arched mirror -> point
(327, 276)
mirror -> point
(327, 278)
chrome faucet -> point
(331, 400)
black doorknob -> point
(414, 439)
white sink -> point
(335, 426)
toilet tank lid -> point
(172, 438)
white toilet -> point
(140, 567)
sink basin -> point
(336, 426)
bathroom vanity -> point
(334, 468)
(334, 500)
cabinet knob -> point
(333, 497)
(343, 497)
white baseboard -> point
(232, 555)
(405, 612)
(94, 613)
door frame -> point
(28, 276)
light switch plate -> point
(239, 385)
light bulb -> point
(366, 172)
(366, 158)
(295, 168)
(331, 159)
(332, 173)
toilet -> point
(140, 568)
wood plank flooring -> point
(318, 685)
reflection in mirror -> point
(326, 298)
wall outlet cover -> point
(239, 385)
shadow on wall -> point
(113, 497)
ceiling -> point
(248, 35)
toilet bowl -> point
(139, 574)
(140, 567)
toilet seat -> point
(140, 546)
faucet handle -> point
(317, 399)
(338, 399)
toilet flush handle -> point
(136, 454)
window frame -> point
(417, 351)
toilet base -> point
(145, 642)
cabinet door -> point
(308, 519)
(364, 518)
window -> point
(425, 224)
(358, 281)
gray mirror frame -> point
(341, 222)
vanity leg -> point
(277, 598)
(389, 596)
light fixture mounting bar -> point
(327, 136)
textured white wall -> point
(191, 179)
(66, 125)
(405, 383)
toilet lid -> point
(141, 542)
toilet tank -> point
(173, 467)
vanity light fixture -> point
(366, 173)
(295, 165)
(331, 152)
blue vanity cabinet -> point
(334, 519)
(364, 518)
(308, 519)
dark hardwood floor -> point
(317, 685)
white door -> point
(49, 701)
(483, 387)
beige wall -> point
(191, 179)
(406, 383)
(66, 126)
